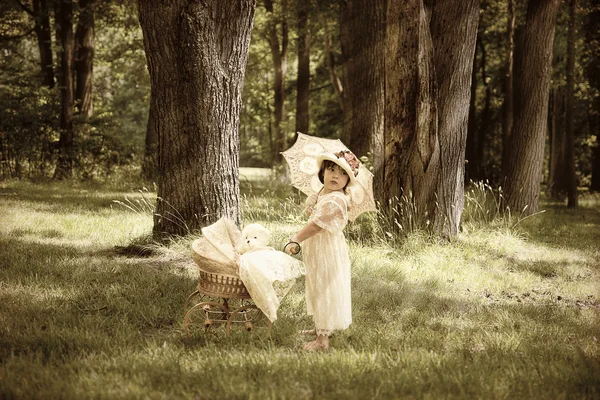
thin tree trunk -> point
(150, 163)
(84, 60)
(508, 120)
(572, 198)
(41, 14)
(557, 180)
(303, 82)
(486, 113)
(336, 81)
(471, 152)
(197, 54)
(532, 84)
(362, 36)
(279, 55)
(64, 23)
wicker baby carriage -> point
(221, 297)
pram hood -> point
(216, 250)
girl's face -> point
(334, 178)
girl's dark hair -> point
(326, 164)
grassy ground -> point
(498, 313)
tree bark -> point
(336, 81)
(362, 37)
(279, 55)
(84, 59)
(303, 82)
(508, 119)
(428, 81)
(454, 35)
(41, 14)
(412, 151)
(64, 28)
(471, 168)
(592, 74)
(572, 198)
(197, 54)
(532, 84)
(557, 180)
(150, 163)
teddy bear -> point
(254, 237)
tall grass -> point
(504, 311)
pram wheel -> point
(247, 315)
(205, 314)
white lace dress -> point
(327, 264)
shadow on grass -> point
(59, 197)
(561, 227)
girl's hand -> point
(292, 247)
(310, 203)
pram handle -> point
(294, 250)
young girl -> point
(324, 248)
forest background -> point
(110, 120)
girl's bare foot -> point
(309, 332)
(319, 344)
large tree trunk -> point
(64, 28)
(303, 82)
(84, 59)
(454, 35)
(41, 14)
(412, 151)
(279, 55)
(428, 81)
(197, 54)
(532, 84)
(362, 37)
(572, 198)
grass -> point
(503, 311)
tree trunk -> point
(471, 172)
(279, 55)
(362, 37)
(428, 81)
(303, 82)
(197, 54)
(507, 125)
(454, 35)
(64, 27)
(150, 163)
(557, 180)
(84, 60)
(41, 14)
(486, 114)
(592, 74)
(532, 84)
(412, 151)
(336, 81)
(572, 198)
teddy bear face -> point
(254, 236)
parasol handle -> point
(293, 250)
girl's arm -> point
(308, 231)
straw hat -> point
(345, 159)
